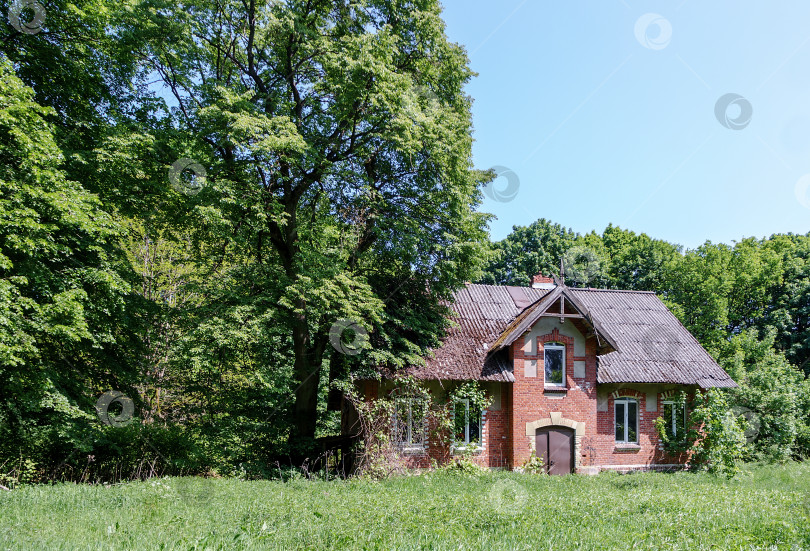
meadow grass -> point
(767, 507)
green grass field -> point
(767, 507)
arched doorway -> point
(555, 446)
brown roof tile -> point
(483, 312)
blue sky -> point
(603, 126)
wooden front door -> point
(555, 446)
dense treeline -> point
(747, 304)
(193, 196)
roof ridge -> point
(590, 289)
(613, 290)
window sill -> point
(627, 447)
(461, 449)
(553, 388)
(414, 450)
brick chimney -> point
(539, 281)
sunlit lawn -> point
(765, 508)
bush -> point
(715, 437)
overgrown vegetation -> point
(765, 507)
(407, 414)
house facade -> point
(576, 376)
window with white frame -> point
(626, 420)
(409, 424)
(675, 419)
(554, 361)
(467, 423)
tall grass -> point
(767, 507)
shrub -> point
(715, 437)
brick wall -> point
(581, 405)
(534, 402)
(496, 435)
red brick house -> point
(577, 376)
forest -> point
(193, 195)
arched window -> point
(626, 420)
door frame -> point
(555, 419)
(571, 433)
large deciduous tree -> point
(60, 288)
(336, 138)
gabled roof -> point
(643, 342)
(526, 319)
(653, 346)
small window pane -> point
(409, 425)
(632, 421)
(620, 416)
(669, 418)
(460, 421)
(554, 365)
(475, 425)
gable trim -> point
(524, 322)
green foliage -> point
(346, 185)
(533, 465)
(770, 394)
(527, 251)
(715, 436)
(340, 185)
(62, 288)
